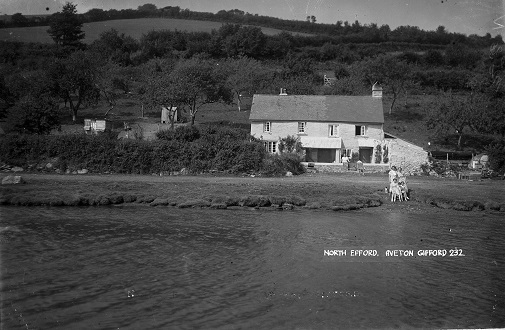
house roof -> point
(331, 108)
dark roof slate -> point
(331, 108)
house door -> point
(365, 155)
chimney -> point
(376, 91)
(283, 91)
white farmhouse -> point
(331, 127)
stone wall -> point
(406, 155)
(338, 168)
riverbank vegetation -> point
(341, 192)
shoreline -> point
(331, 192)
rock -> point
(49, 166)
(17, 169)
(67, 171)
(288, 173)
(58, 171)
(13, 179)
(83, 171)
(287, 206)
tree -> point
(75, 80)
(490, 86)
(114, 46)
(243, 75)
(148, 7)
(163, 90)
(36, 111)
(246, 41)
(65, 27)
(388, 71)
(200, 82)
(454, 114)
(19, 20)
(107, 81)
(34, 115)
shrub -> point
(278, 165)
(378, 154)
(385, 155)
(290, 144)
(222, 148)
(186, 133)
(496, 152)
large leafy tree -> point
(115, 47)
(243, 75)
(65, 27)
(390, 72)
(163, 90)
(455, 114)
(36, 110)
(200, 82)
(75, 80)
(490, 85)
(246, 41)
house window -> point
(360, 130)
(270, 146)
(302, 126)
(267, 127)
(333, 130)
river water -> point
(167, 268)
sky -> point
(463, 16)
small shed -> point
(95, 126)
(480, 161)
(165, 114)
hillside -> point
(132, 27)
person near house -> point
(393, 174)
(360, 167)
(345, 162)
(399, 175)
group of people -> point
(397, 185)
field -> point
(132, 27)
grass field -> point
(132, 27)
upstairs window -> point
(360, 130)
(302, 126)
(267, 126)
(333, 130)
(270, 146)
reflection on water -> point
(158, 268)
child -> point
(395, 191)
(403, 190)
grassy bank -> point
(329, 192)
